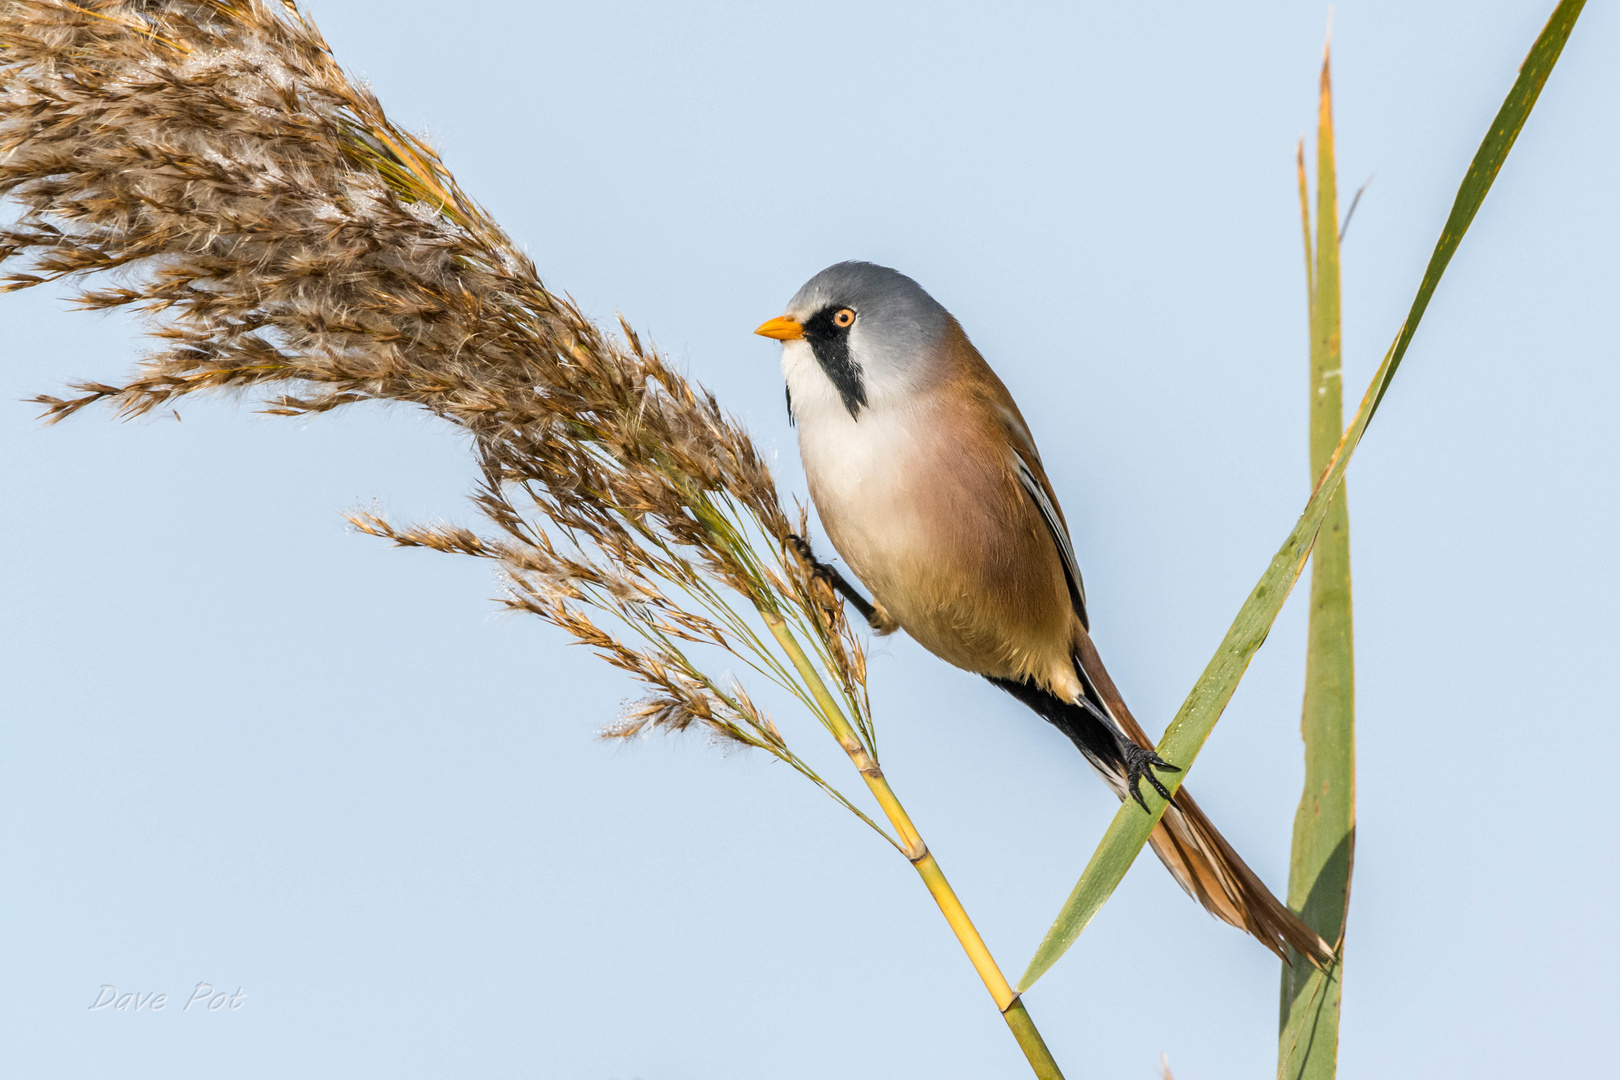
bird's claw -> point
(818, 570)
(878, 619)
(802, 548)
(1139, 765)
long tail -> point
(1188, 844)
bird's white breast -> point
(861, 470)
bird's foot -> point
(878, 619)
(802, 548)
(1139, 765)
(819, 571)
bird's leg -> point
(873, 613)
(1140, 761)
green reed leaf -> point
(1324, 825)
(1195, 720)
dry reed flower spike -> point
(279, 233)
(277, 229)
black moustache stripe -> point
(830, 344)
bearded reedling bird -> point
(929, 485)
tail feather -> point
(1204, 864)
(1188, 844)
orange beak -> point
(781, 328)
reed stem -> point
(911, 843)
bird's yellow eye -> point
(843, 318)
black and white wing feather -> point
(1060, 534)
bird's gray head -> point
(872, 330)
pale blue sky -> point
(243, 745)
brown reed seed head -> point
(277, 230)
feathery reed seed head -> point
(281, 234)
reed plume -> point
(208, 164)
(280, 234)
